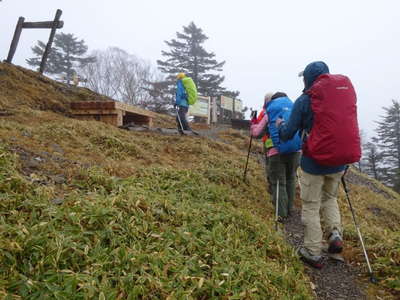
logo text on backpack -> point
(342, 88)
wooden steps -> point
(112, 112)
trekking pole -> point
(247, 160)
(277, 205)
(372, 278)
(179, 118)
(277, 196)
(252, 117)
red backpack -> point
(334, 139)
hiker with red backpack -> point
(282, 156)
(326, 114)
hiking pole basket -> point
(252, 117)
(372, 278)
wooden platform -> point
(240, 124)
(111, 112)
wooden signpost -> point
(53, 25)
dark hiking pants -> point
(267, 175)
(182, 112)
(283, 167)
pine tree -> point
(65, 56)
(360, 163)
(372, 160)
(388, 137)
(188, 55)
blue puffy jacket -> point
(281, 108)
(301, 119)
(180, 95)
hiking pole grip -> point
(372, 278)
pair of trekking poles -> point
(372, 278)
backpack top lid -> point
(191, 89)
(334, 137)
(281, 107)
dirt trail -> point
(336, 280)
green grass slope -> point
(378, 217)
(192, 230)
(91, 211)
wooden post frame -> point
(21, 24)
(50, 42)
(48, 24)
(15, 40)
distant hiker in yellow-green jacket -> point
(186, 94)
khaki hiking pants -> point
(319, 195)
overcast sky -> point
(264, 43)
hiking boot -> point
(336, 257)
(315, 261)
(335, 242)
(282, 219)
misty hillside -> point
(91, 211)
